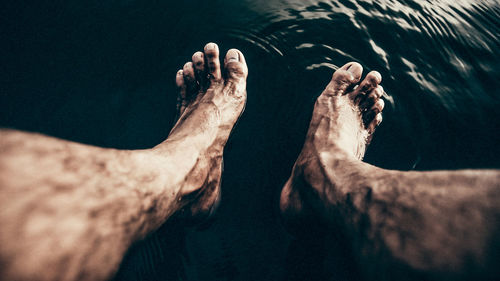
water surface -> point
(102, 73)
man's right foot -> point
(344, 119)
(211, 100)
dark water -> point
(102, 72)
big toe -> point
(343, 78)
(235, 65)
(236, 72)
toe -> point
(199, 67)
(343, 78)
(375, 123)
(189, 78)
(378, 106)
(212, 60)
(179, 80)
(235, 65)
(355, 68)
(371, 98)
(198, 61)
(236, 72)
(181, 99)
(372, 113)
(371, 81)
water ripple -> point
(437, 38)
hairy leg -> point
(70, 211)
(436, 224)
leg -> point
(70, 211)
(439, 223)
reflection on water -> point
(462, 34)
(102, 73)
(436, 52)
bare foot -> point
(60, 199)
(211, 100)
(344, 119)
(436, 225)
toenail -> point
(378, 77)
(233, 57)
(198, 56)
(351, 77)
(210, 46)
(377, 93)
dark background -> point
(102, 73)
